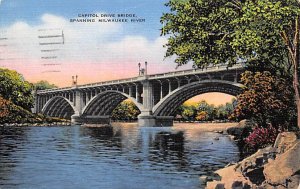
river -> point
(122, 157)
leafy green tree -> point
(126, 110)
(264, 33)
(188, 113)
(202, 111)
(14, 88)
(203, 106)
(42, 85)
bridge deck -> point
(215, 68)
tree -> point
(266, 99)
(14, 88)
(202, 116)
(42, 85)
(188, 113)
(126, 110)
(263, 33)
(203, 106)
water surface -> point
(125, 156)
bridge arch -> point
(168, 105)
(105, 102)
(59, 106)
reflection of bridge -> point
(157, 96)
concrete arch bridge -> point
(157, 96)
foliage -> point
(222, 31)
(43, 84)
(263, 33)
(199, 31)
(202, 116)
(4, 110)
(202, 111)
(126, 110)
(188, 112)
(261, 137)
(13, 87)
(266, 99)
(10, 113)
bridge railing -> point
(154, 76)
(197, 71)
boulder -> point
(215, 185)
(284, 141)
(272, 167)
(230, 178)
(256, 160)
(284, 167)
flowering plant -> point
(261, 137)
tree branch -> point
(288, 44)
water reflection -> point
(139, 157)
(169, 141)
(12, 140)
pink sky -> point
(86, 52)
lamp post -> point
(74, 80)
(139, 69)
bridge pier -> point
(148, 120)
(76, 119)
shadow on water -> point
(167, 149)
(169, 141)
(101, 132)
(101, 141)
(12, 140)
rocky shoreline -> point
(276, 166)
(64, 123)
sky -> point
(95, 51)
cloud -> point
(98, 49)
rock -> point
(215, 185)
(272, 167)
(216, 138)
(220, 132)
(256, 160)
(235, 131)
(229, 176)
(243, 123)
(284, 141)
(286, 165)
(237, 185)
(203, 178)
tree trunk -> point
(297, 97)
(296, 63)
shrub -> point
(261, 137)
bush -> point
(11, 113)
(261, 137)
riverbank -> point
(63, 123)
(210, 127)
(276, 166)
